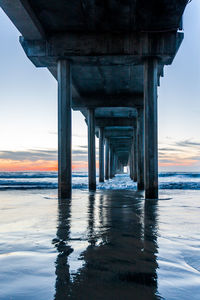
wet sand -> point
(104, 245)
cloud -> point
(80, 135)
(52, 132)
(79, 152)
(168, 149)
(187, 143)
(39, 159)
(180, 153)
(31, 155)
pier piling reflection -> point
(119, 260)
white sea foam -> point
(48, 180)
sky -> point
(28, 107)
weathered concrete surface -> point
(140, 149)
(151, 134)
(101, 154)
(91, 150)
(107, 160)
(99, 16)
(64, 129)
(106, 43)
(103, 49)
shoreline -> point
(106, 228)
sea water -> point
(48, 180)
(111, 244)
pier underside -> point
(108, 57)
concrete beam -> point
(104, 122)
(96, 100)
(115, 132)
(24, 18)
(103, 48)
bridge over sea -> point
(108, 57)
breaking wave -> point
(48, 180)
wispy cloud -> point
(52, 132)
(180, 153)
(32, 155)
(38, 159)
(79, 152)
(188, 143)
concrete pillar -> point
(140, 150)
(64, 129)
(101, 154)
(107, 162)
(91, 150)
(111, 163)
(135, 156)
(131, 163)
(114, 165)
(150, 115)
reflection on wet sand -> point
(120, 259)
(64, 250)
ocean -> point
(103, 245)
(48, 180)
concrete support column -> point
(150, 115)
(114, 165)
(107, 162)
(135, 156)
(111, 163)
(64, 129)
(131, 160)
(91, 150)
(101, 154)
(140, 151)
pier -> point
(108, 58)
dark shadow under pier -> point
(119, 261)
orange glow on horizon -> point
(8, 165)
(177, 163)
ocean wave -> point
(106, 186)
(180, 174)
(48, 180)
(15, 175)
(179, 186)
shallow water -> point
(107, 245)
(48, 180)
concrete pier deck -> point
(112, 55)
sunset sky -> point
(28, 114)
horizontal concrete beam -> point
(124, 133)
(92, 101)
(121, 138)
(104, 122)
(24, 18)
(118, 133)
(120, 148)
(103, 48)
